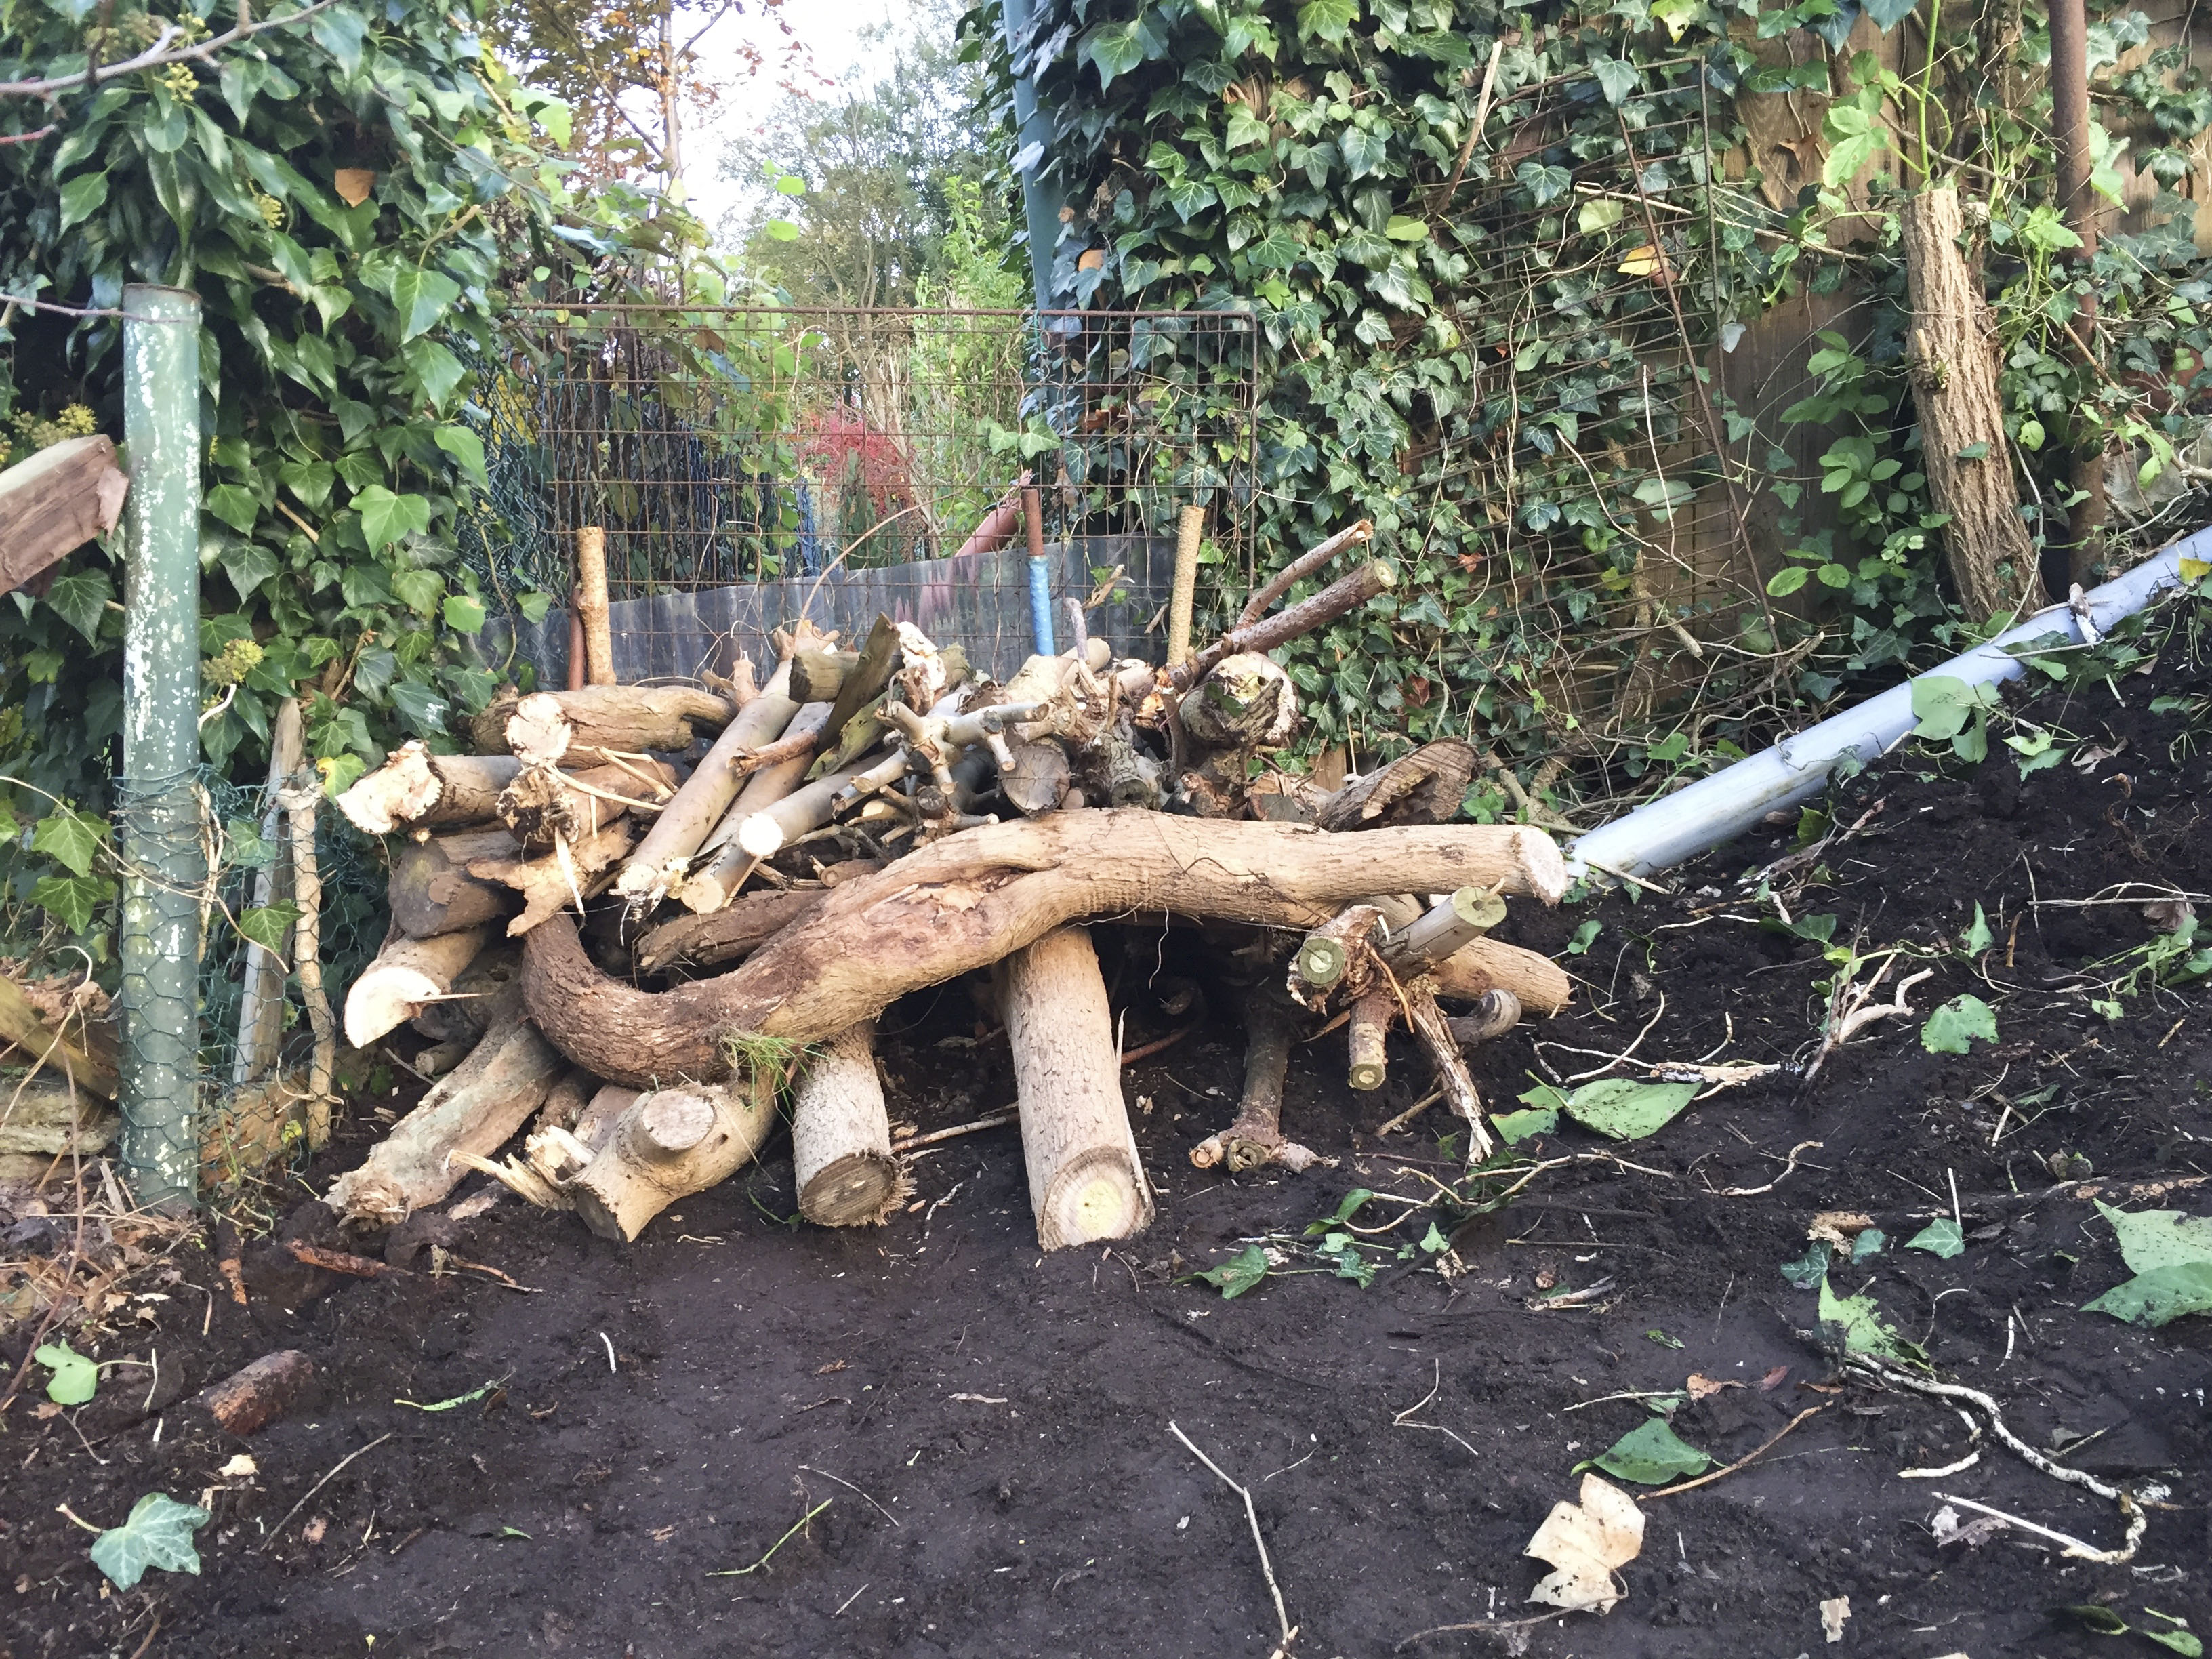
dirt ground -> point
(982, 1438)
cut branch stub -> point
(1455, 922)
(669, 1144)
(1369, 1066)
(416, 788)
(841, 1136)
(407, 976)
(1335, 954)
(432, 892)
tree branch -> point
(156, 56)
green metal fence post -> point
(158, 803)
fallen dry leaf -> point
(1774, 1379)
(353, 184)
(240, 1468)
(1833, 1614)
(1838, 1227)
(1704, 1388)
(1585, 1543)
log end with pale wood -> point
(840, 1135)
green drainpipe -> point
(158, 803)
(1033, 140)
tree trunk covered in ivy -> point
(1953, 356)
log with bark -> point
(669, 1144)
(252, 1398)
(840, 1135)
(727, 935)
(1256, 1136)
(462, 1013)
(965, 902)
(408, 975)
(473, 1110)
(432, 892)
(542, 805)
(415, 788)
(1424, 787)
(1087, 1181)
(590, 727)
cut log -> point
(244, 1132)
(1370, 1063)
(56, 501)
(841, 1136)
(763, 834)
(416, 788)
(1037, 779)
(55, 1056)
(1425, 786)
(1540, 985)
(818, 672)
(966, 901)
(607, 719)
(662, 857)
(1494, 1015)
(669, 1144)
(406, 977)
(542, 805)
(1246, 703)
(864, 682)
(1087, 1182)
(50, 1118)
(432, 892)
(592, 604)
(256, 1396)
(472, 1110)
(1450, 925)
(601, 1113)
(1330, 952)
(727, 935)
(568, 875)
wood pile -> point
(640, 917)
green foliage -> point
(1939, 1238)
(1860, 1328)
(2170, 1254)
(159, 1534)
(1950, 1030)
(75, 1378)
(1238, 1274)
(1617, 1108)
(1652, 1455)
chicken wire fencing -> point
(748, 467)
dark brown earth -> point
(990, 1432)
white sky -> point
(830, 31)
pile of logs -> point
(641, 925)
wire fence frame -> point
(776, 455)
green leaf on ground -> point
(75, 1377)
(1434, 1242)
(1342, 1250)
(1580, 943)
(1352, 1204)
(2158, 1297)
(1652, 1455)
(1868, 1243)
(1951, 1027)
(1514, 1127)
(1237, 1275)
(2151, 1239)
(1654, 1334)
(159, 1534)
(1940, 1238)
(1864, 1329)
(1622, 1110)
(1977, 938)
(1810, 1268)
(448, 1405)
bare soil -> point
(989, 1430)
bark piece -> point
(728, 935)
(53, 1120)
(56, 501)
(661, 858)
(1449, 926)
(255, 1396)
(864, 683)
(1087, 1182)
(57, 1057)
(1435, 1035)
(1951, 361)
(1424, 787)
(474, 1109)
(261, 990)
(566, 875)
(432, 892)
(542, 805)
(669, 1144)
(605, 720)
(1493, 1015)
(964, 901)
(415, 788)
(467, 1007)
(407, 976)
(565, 1101)
(841, 1136)
(818, 672)
(592, 604)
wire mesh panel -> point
(747, 467)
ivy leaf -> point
(75, 1378)
(1191, 196)
(1941, 1239)
(1888, 13)
(2158, 1297)
(1277, 250)
(70, 900)
(1514, 1127)
(1810, 1268)
(1615, 79)
(1115, 48)
(248, 564)
(533, 606)
(1951, 1027)
(1864, 1330)
(386, 517)
(83, 196)
(158, 1533)
(1326, 20)
(1237, 1275)
(338, 32)
(1598, 214)
(82, 597)
(1364, 152)
(418, 589)
(70, 838)
(421, 298)
(1546, 184)
(269, 926)
(1402, 228)
(464, 614)
(466, 447)
(1652, 1455)
(1622, 1110)
(421, 706)
(436, 370)
(1244, 128)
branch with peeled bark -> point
(415, 788)
(965, 902)
(407, 976)
(1339, 599)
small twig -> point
(1410, 1114)
(1436, 1385)
(2075, 1546)
(1788, 1170)
(1149, 1050)
(1705, 1480)
(850, 1487)
(996, 1120)
(609, 1341)
(1627, 1054)
(1283, 1619)
(277, 1530)
(800, 1526)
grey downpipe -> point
(1716, 810)
(1032, 144)
(158, 803)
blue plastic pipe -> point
(1719, 808)
(1041, 604)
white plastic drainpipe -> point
(1718, 809)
